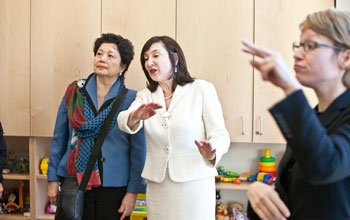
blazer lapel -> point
(343, 101)
(178, 94)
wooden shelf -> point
(223, 185)
(233, 186)
(16, 176)
(41, 176)
(46, 217)
(13, 216)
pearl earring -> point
(120, 73)
(175, 70)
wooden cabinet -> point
(47, 44)
(138, 20)
(277, 27)
(62, 37)
(210, 34)
(14, 65)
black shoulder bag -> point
(71, 196)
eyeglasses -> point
(309, 46)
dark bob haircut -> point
(125, 48)
(182, 76)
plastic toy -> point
(237, 181)
(245, 176)
(44, 164)
(221, 170)
(27, 200)
(262, 177)
(11, 206)
(231, 174)
(226, 176)
(50, 208)
(267, 163)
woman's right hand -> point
(145, 111)
(266, 202)
(52, 192)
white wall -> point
(343, 4)
(242, 157)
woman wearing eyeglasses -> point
(313, 179)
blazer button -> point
(103, 159)
(166, 149)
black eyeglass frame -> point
(314, 45)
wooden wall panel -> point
(210, 33)
(138, 20)
(277, 27)
(14, 66)
(63, 33)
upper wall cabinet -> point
(14, 65)
(277, 27)
(210, 33)
(62, 37)
(138, 20)
(343, 4)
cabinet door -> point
(62, 37)
(138, 20)
(210, 33)
(14, 65)
(343, 4)
(277, 27)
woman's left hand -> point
(272, 67)
(206, 149)
(128, 204)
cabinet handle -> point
(243, 125)
(260, 132)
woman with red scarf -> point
(116, 177)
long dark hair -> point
(181, 76)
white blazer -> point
(194, 114)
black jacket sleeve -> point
(3, 152)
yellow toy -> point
(44, 165)
(267, 163)
(221, 211)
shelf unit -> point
(39, 148)
(233, 186)
(13, 216)
(20, 146)
(16, 176)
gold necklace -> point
(166, 98)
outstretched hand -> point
(272, 67)
(266, 202)
(145, 111)
(206, 149)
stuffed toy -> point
(232, 205)
(11, 206)
(238, 216)
(221, 212)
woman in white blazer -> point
(185, 134)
